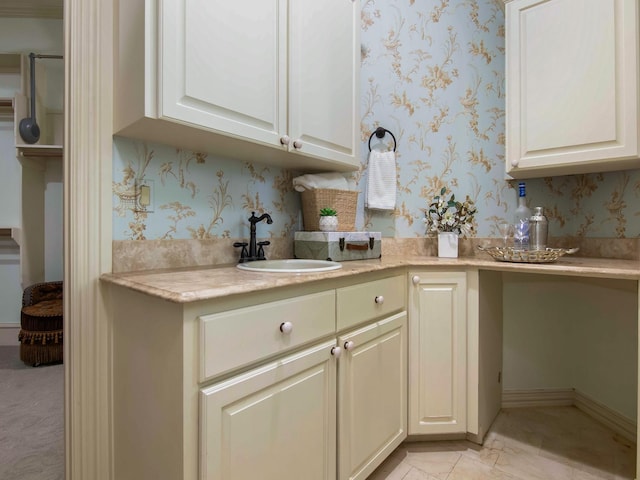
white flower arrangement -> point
(450, 215)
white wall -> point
(569, 332)
(605, 338)
(24, 35)
(10, 193)
(53, 239)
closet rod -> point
(40, 55)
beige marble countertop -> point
(205, 283)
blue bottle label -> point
(521, 189)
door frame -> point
(88, 52)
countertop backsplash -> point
(136, 255)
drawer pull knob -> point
(297, 144)
(284, 140)
(349, 345)
(286, 327)
(336, 351)
(379, 300)
(415, 279)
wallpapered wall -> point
(433, 74)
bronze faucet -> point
(256, 249)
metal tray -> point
(509, 254)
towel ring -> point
(380, 132)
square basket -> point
(344, 202)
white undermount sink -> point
(290, 265)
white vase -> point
(328, 224)
(448, 244)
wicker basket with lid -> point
(344, 202)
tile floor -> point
(550, 443)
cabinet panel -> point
(372, 412)
(324, 78)
(370, 300)
(572, 86)
(272, 421)
(233, 339)
(437, 352)
(209, 46)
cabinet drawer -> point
(370, 300)
(232, 339)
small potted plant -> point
(328, 220)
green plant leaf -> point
(328, 212)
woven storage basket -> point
(344, 202)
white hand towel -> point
(381, 181)
(310, 181)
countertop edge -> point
(211, 282)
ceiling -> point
(31, 8)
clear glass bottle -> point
(521, 220)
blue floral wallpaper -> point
(433, 74)
(195, 195)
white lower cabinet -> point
(438, 353)
(372, 404)
(279, 420)
(455, 352)
(334, 410)
(274, 422)
(308, 382)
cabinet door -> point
(437, 353)
(372, 412)
(572, 86)
(222, 66)
(273, 422)
(324, 65)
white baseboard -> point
(9, 334)
(538, 398)
(623, 426)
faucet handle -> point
(243, 254)
(261, 246)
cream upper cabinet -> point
(260, 79)
(437, 353)
(372, 402)
(572, 86)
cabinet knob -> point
(284, 140)
(349, 345)
(415, 279)
(297, 144)
(379, 299)
(336, 351)
(286, 327)
(514, 162)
